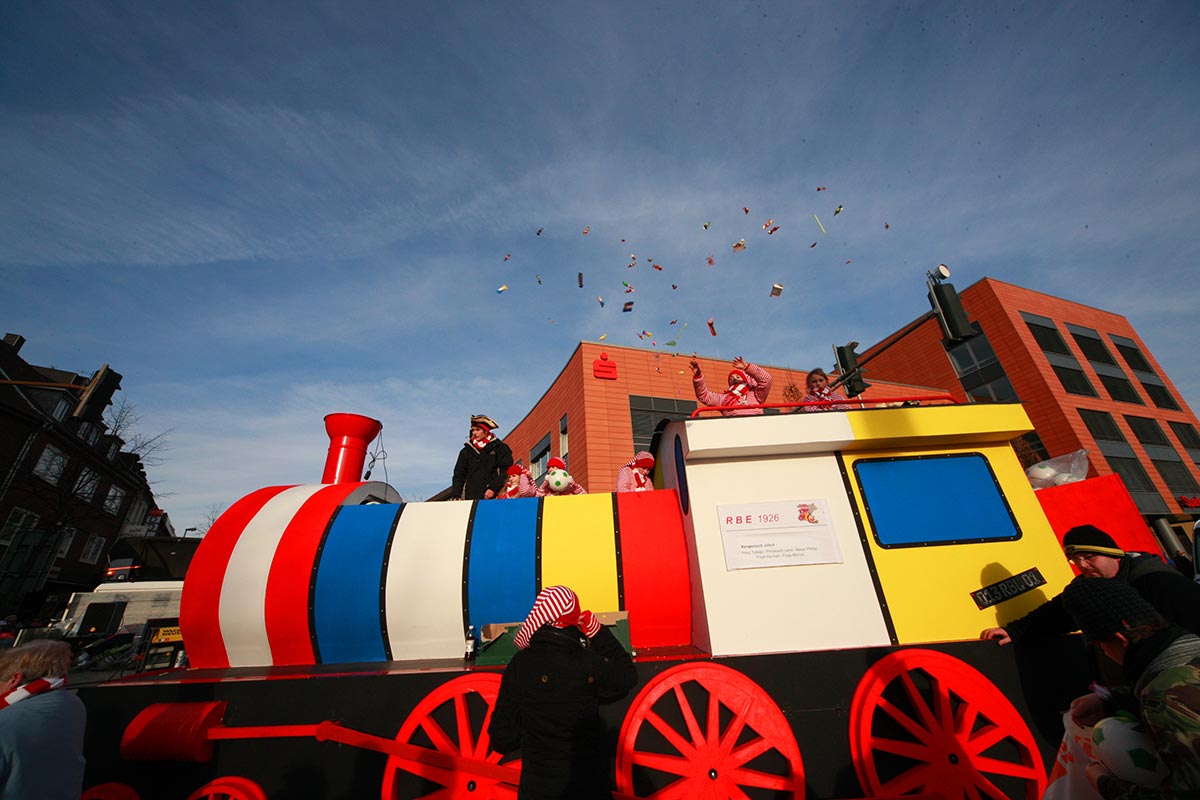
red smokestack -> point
(349, 435)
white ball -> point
(1120, 744)
(558, 479)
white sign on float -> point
(778, 534)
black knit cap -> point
(1090, 539)
(1106, 606)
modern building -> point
(1084, 376)
(68, 489)
(605, 403)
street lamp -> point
(185, 531)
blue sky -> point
(260, 212)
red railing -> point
(913, 400)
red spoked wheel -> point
(924, 720)
(453, 720)
(706, 731)
(110, 791)
(229, 788)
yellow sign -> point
(171, 634)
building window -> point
(85, 485)
(60, 409)
(979, 370)
(1120, 389)
(51, 465)
(1048, 337)
(1074, 381)
(647, 412)
(85, 430)
(116, 496)
(1030, 450)
(18, 520)
(1186, 435)
(1101, 426)
(539, 456)
(562, 437)
(1160, 396)
(92, 550)
(1132, 355)
(113, 449)
(1177, 477)
(1131, 472)
(1091, 345)
(1147, 431)
(64, 544)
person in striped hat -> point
(749, 384)
(558, 481)
(635, 476)
(41, 724)
(518, 484)
(548, 707)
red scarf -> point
(479, 444)
(27, 690)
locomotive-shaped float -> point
(803, 594)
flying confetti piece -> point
(503, 288)
(768, 224)
(706, 225)
(600, 300)
(848, 260)
(581, 280)
(507, 256)
(628, 289)
(539, 233)
(645, 335)
(776, 289)
(772, 230)
(669, 344)
(837, 211)
(822, 188)
(745, 209)
(539, 279)
(739, 245)
(552, 320)
(711, 260)
(657, 267)
(886, 226)
(672, 322)
(628, 307)
(603, 336)
(674, 285)
(818, 219)
(585, 231)
(712, 328)
(811, 246)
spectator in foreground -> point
(548, 707)
(749, 385)
(41, 724)
(635, 476)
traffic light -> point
(847, 364)
(97, 395)
(950, 313)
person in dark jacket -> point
(482, 466)
(548, 707)
(1097, 556)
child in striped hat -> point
(518, 484)
(635, 476)
(558, 481)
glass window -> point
(645, 413)
(1132, 474)
(1147, 431)
(116, 496)
(51, 465)
(1093, 349)
(998, 391)
(972, 354)
(943, 499)
(60, 409)
(1074, 381)
(85, 485)
(85, 429)
(1101, 425)
(18, 519)
(1160, 396)
(562, 437)
(1133, 357)
(1048, 338)
(1186, 434)
(92, 550)
(1177, 477)
(64, 544)
(113, 449)
(539, 456)
(1120, 389)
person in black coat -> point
(548, 707)
(482, 466)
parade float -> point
(803, 595)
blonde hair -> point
(44, 658)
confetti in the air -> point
(603, 336)
(670, 343)
(628, 307)
(711, 260)
(672, 322)
(674, 285)
(776, 290)
(768, 224)
(772, 230)
(848, 260)
(600, 300)
(837, 211)
(739, 245)
(503, 288)
(711, 327)
(886, 226)
(706, 225)
(507, 256)
(581, 280)
(539, 233)
(745, 209)
(811, 246)
(539, 279)
(818, 219)
(586, 230)
(657, 267)
(628, 289)
(822, 188)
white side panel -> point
(787, 608)
(423, 600)
(244, 589)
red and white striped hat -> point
(556, 605)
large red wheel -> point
(453, 720)
(923, 720)
(706, 731)
(110, 791)
(229, 788)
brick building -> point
(68, 489)
(605, 403)
(1084, 377)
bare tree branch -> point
(124, 421)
